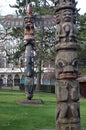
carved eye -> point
(61, 64)
(75, 63)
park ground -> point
(14, 116)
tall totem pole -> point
(66, 63)
(29, 45)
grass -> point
(33, 117)
(83, 112)
(30, 117)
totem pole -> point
(66, 65)
(29, 49)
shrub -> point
(48, 88)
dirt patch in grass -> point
(29, 102)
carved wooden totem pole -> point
(29, 45)
(66, 63)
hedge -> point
(44, 88)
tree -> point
(81, 39)
(44, 46)
(81, 28)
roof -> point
(82, 78)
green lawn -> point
(32, 117)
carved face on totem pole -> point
(29, 30)
(65, 29)
(67, 15)
(66, 64)
(29, 27)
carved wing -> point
(11, 21)
(17, 21)
(46, 20)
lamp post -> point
(29, 50)
(66, 65)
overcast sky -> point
(5, 9)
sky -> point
(5, 9)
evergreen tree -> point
(81, 34)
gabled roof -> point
(82, 78)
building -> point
(11, 76)
(14, 76)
